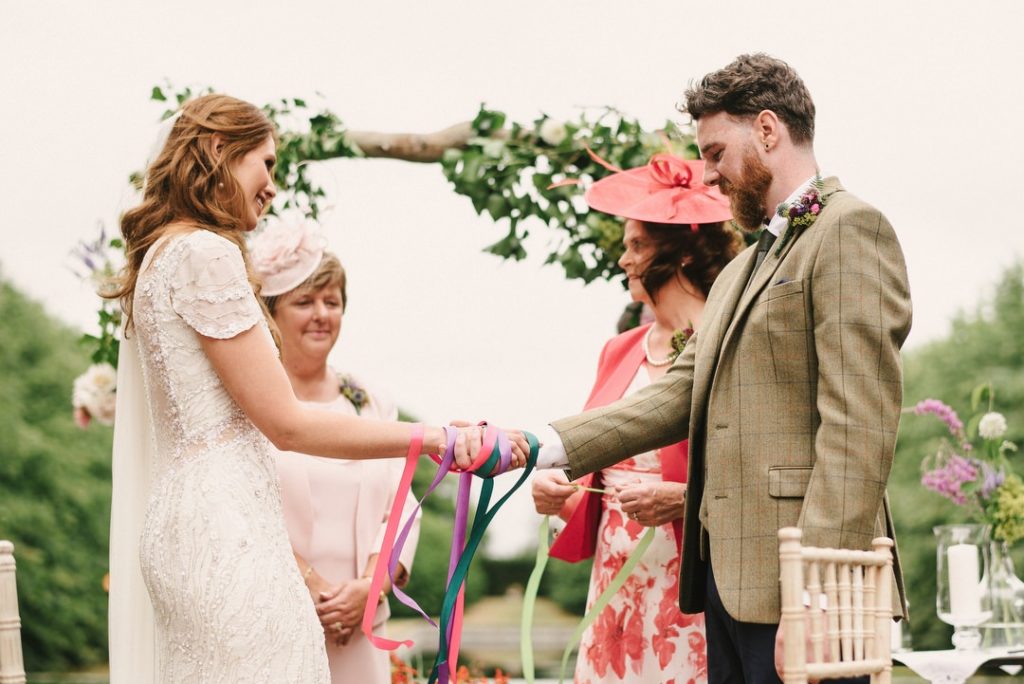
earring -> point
(221, 184)
(766, 147)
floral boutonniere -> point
(801, 213)
(679, 340)
(353, 392)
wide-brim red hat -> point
(668, 189)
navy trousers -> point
(741, 652)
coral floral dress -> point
(641, 636)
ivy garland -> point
(519, 173)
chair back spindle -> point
(836, 610)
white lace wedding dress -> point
(228, 601)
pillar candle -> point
(964, 578)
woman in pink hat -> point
(335, 510)
(676, 242)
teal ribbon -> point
(481, 520)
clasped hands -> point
(469, 441)
(339, 607)
(648, 503)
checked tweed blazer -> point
(790, 395)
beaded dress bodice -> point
(230, 604)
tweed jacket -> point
(790, 395)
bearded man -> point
(790, 394)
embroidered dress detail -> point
(230, 604)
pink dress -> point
(336, 511)
(641, 636)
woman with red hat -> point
(676, 242)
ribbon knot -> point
(670, 171)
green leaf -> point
(972, 426)
(979, 394)
(497, 207)
(157, 94)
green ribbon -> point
(602, 601)
(606, 596)
(530, 601)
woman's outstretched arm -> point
(255, 379)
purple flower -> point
(942, 412)
(947, 479)
(992, 478)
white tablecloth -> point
(954, 667)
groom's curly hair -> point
(748, 86)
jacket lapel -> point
(768, 268)
(713, 336)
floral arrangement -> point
(94, 395)
(404, 673)
(977, 477)
(803, 212)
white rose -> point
(103, 408)
(992, 426)
(552, 132)
(95, 390)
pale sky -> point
(919, 109)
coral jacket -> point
(619, 362)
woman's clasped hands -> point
(649, 503)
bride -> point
(196, 514)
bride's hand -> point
(471, 437)
(467, 443)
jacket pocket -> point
(788, 482)
(784, 289)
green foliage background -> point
(983, 345)
(54, 490)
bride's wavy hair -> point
(187, 183)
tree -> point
(54, 490)
(982, 346)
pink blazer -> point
(620, 359)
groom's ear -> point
(767, 129)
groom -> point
(790, 393)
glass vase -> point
(961, 557)
(1005, 598)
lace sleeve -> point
(210, 289)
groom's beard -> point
(747, 195)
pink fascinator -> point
(667, 190)
(286, 252)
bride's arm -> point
(255, 379)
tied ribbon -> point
(494, 458)
(600, 603)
